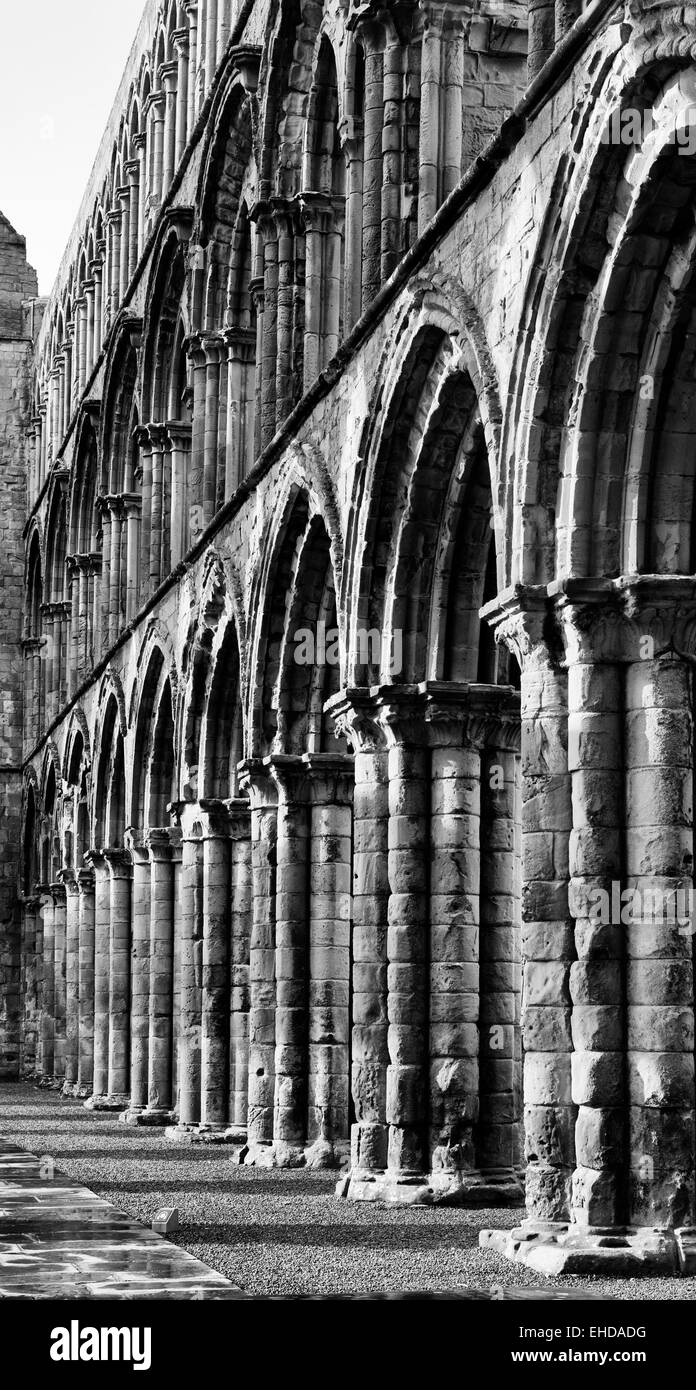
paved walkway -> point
(58, 1240)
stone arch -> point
(84, 521)
(430, 478)
(154, 758)
(109, 787)
(167, 323)
(120, 413)
(222, 726)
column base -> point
(441, 1188)
(108, 1102)
(326, 1154)
(83, 1090)
(552, 1247)
(69, 1089)
(145, 1118)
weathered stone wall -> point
(18, 321)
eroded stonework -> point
(358, 612)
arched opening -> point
(324, 205)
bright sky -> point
(62, 61)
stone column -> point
(156, 436)
(101, 291)
(168, 77)
(195, 509)
(72, 980)
(178, 441)
(456, 720)
(215, 1002)
(132, 171)
(241, 345)
(212, 346)
(140, 148)
(124, 195)
(659, 966)
(211, 9)
(266, 360)
(140, 978)
(373, 38)
(120, 872)
(429, 134)
(287, 235)
(392, 125)
(146, 496)
(85, 1065)
(291, 960)
(181, 44)
(241, 904)
(102, 909)
(595, 738)
(47, 993)
(401, 714)
(162, 844)
(113, 263)
(190, 935)
(500, 1098)
(541, 35)
(330, 913)
(255, 778)
(547, 936)
(132, 504)
(355, 715)
(322, 291)
(351, 133)
(59, 981)
(191, 8)
(81, 343)
(29, 985)
(155, 107)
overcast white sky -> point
(61, 63)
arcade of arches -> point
(349, 611)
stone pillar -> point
(181, 44)
(156, 436)
(124, 194)
(659, 968)
(211, 9)
(132, 172)
(140, 978)
(595, 719)
(59, 981)
(212, 346)
(373, 38)
(547, 936)
(163, 845)
(47, 991)
(241, 902)
(120, 872)
(85, 1065)
(29, 986)
(102, 908)
(101, 291)
(255, 778)
(140, 148)
(146, 496)
(195, 508)
(330, 912)
(81, 344)
(291, 960)
(239, 442)
(266, 360)
(72, 980)
(155, 106)
(190, 934)
(113, 262)
(191, 8)
(168, 78)
(215, 1002)
(500, 1098)
(355, 715)
(285, 219)
(352, 140)
(541, 35)
(322, 284)
(178, 441)
(401, 713)
(132, 504)
(392, 125)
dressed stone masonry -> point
(373, 337)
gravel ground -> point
(280, 1232)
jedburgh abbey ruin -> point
(348, 620)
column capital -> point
(331, 778)
(113, 216)
(239, 816)
(356, 716)
(119, 862)
(472, 715)
(167, 73)
(67, 878)
(290, 775)
(132, 169)
(520, 618)
(240, 343)
(155, 102)
(180, 39)
(162, 841)
(255, 778)
(178, 434)
(629, 619)
(85, 880)
(139, 141)
(58, 889)
(401, 712)
(94, 859)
